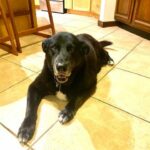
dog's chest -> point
(61, 96)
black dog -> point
(71, 66)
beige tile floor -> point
(116, 117)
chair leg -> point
(33, 23)
(10, 34)
(12, 18)
(50, 16)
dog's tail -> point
(104, 43)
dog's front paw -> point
(26, 132)
(65, 116)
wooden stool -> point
(9, 37)
(34, 29)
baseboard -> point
(134, 30)
(106, 24)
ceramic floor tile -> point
(12, 110)
(30, 39)
(98, 127)
(117, 54)
(62, 28)
(78, 23)
(11, 74)
(16, 92)
(32, 58)
(2, 52)
(138, 60)
(103, 72)
(64, 18)
(8, 141)
(96, 31)
(124, 39)
(127, 91)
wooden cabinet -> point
(92, 6)
(123, 10)
(95, 6)
(135, 13)
(82, 5)
(141, 15)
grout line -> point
(129, 52)
(4, 55)
(18, 65)
(32, 43)
(121, 110)
(8, 129)
(17, 83)
(132, 72)
(108, 34)
(44, 133)
(14, 134)
(106, 74)
(120, 60)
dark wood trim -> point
(34, 30)
(106, 24)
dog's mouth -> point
(62, 78)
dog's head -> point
(64, 53)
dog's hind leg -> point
(105, 59)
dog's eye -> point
(54, 49)
(70, 48)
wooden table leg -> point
(10, 34)
(50, 16)
(12, 18)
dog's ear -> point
(84, 48)
(46, 44)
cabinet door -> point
(68, 4)
(141, 16)
(81, 5)
(95, 6)
(124, 10)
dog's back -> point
(97, 49)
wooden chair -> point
(34, 28)
(10, 37)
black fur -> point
(72, 61)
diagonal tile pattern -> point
(97, 126)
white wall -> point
(107, 10)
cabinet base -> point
(134, 30)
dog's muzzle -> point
(61, 73)
(61, 78)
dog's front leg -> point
(27, 128)
(76, 100)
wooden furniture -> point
(135, 13)
(9, 37)
(21, 17)
(83, 7)
(34, 29)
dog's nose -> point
(61, 67)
